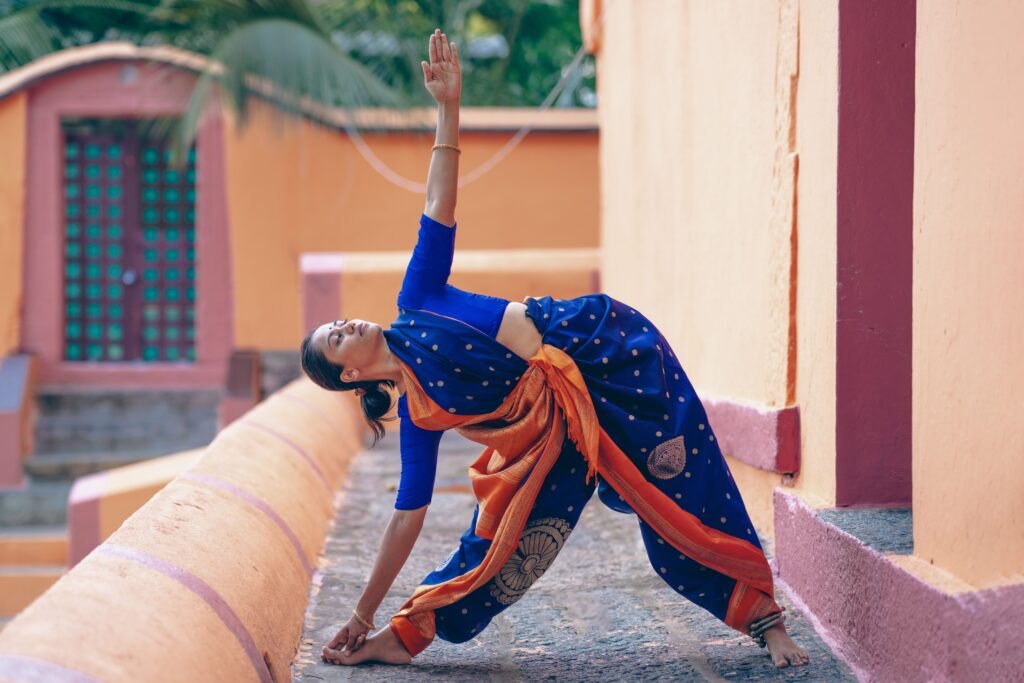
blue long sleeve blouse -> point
(426, 287)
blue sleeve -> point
(431, 262)
(419, 461)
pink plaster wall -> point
(968, 329)
(884, 620)
(120, 89)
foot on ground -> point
(782, 648)
(382, 647)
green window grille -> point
(129, 248)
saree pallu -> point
(607, 379)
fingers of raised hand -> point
(446, 50)
(358, 642)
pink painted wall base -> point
(886, 621)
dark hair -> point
(376, 402)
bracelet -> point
(442, 145)
(364, 622)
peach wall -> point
(13, 122)
(697, 185)
(817, 140)
(968, 470)
(303, 188)
(718, 158)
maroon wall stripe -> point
(260, 505)
(875, 182)
(19, 668)
(204, 591)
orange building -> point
(830, 193)
(122, 270)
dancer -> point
(565, 396)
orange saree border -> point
(551, 399)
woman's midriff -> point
(518, 332)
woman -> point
(557, 392)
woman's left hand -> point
(443, 75)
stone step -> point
(40, 503)
(66, 467)
(20, 585)
(34, 546)
(82, 421)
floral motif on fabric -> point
(540, 543)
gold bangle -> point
(364, 622)
(442, 145)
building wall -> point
(714, 221)
(968, 469)
(13, 118)
(306, 188)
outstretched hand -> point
(443, 75)
(349, 638)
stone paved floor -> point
(599, 614)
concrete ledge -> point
(99, 503)
(364, 284)
(17, 411)
(223, 555)
(888, 620)
(768, 439)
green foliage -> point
(336, 53)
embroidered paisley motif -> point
(537, 549)
(668, 459)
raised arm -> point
(442, 77)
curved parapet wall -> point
(208, 580)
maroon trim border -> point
(874, 204)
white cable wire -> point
(420, 188)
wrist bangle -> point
(442, 145)
(364, 622)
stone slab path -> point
(599, 613)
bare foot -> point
(782, 648)
(383, 646)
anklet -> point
(364, 622)
(758, 628)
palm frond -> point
(288, 64)
(26, 35)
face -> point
(356, 345)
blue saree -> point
(605, 398)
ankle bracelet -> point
(758, 628)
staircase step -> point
(39, 503)
(20, 585)
(21, 546)
(93, 420)
(66, 467)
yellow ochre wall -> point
(710, 114)
(306, 188)
(968, 334)
(13, 133)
